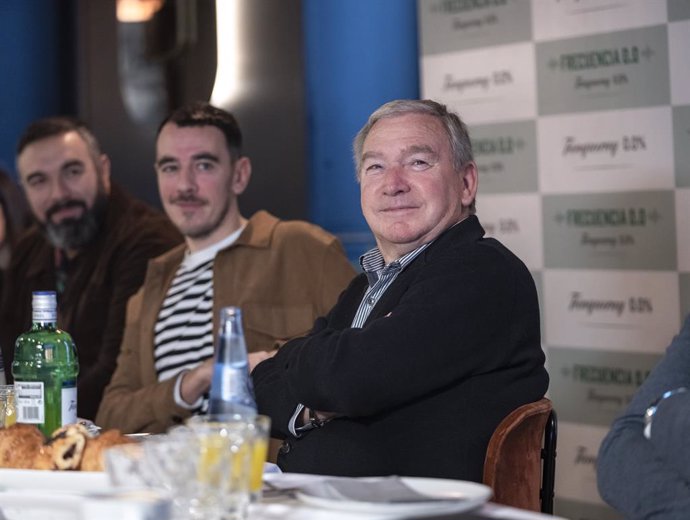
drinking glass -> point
(127, 468)
(223, 468)
(257, 434)
(204, 468)
(8, 412)
(165, 462)
(260, 428)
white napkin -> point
(382, 490)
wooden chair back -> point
(520, 460)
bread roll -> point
(22, 446)
(67, 445)
(19, 446)
(93, 459)
(44, 458)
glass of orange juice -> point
(256, 430)
(8, 412)
(260, 427)
(224, 443)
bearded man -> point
(91, 244)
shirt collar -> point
(195, 259)
(375, 266)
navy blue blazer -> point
(449, 350)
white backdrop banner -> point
(579, 113)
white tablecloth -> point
(46, 495)
(291, 509)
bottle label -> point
(44, 315)
(30, 402)
(231, 387)
(69, 404)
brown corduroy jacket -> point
(100, 281)
(282, 274)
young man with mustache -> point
(91, 243)
(282, 274)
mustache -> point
(187, 198)
(64, 204)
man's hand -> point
(257, 357)
(322, 417)
(196, 383)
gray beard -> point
(71, 234)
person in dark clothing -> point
(433, 345)
(91, 244)
(14, 217)
(643, 466)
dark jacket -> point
(449, 350)
(101, 278)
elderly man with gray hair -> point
(429, 348)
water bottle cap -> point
(44, 300)
(231, 311)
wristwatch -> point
(649, 412)
(312, 423)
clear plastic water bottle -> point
(45, 369)
(231, 387)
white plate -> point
(69, 495)
(67, 481)
(28, 494)
(469, 495)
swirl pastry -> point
(72, 447)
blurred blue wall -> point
(33, 71)
(359, 54)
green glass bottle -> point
(45, 369)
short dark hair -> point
(59, 125)
(201, 113)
